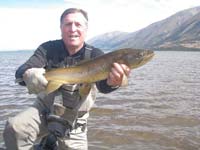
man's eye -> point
(78, 25)
(68, 24)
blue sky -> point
(25, 24)
(29, 3)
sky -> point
(25, 24)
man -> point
(24, 129)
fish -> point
(96, 69)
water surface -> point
(158, 110)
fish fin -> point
(124, 80)
(84, 89)
(52, 86)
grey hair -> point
(73, 10)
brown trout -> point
(97, 68)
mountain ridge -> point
(180, 31)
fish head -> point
(137, 57)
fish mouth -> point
(149, 55)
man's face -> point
(74, 29)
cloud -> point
(26, 28)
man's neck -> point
(74, 50)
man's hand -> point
(35, 80)
(117, 74)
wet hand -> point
(117, 74)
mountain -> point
(180, 31)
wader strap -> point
(88, 52)
(70, 61)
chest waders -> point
(64, 112)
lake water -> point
(158, 110)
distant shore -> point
(106, 50)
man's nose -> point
(73, 27)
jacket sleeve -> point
(37, 60)
(103, 87)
